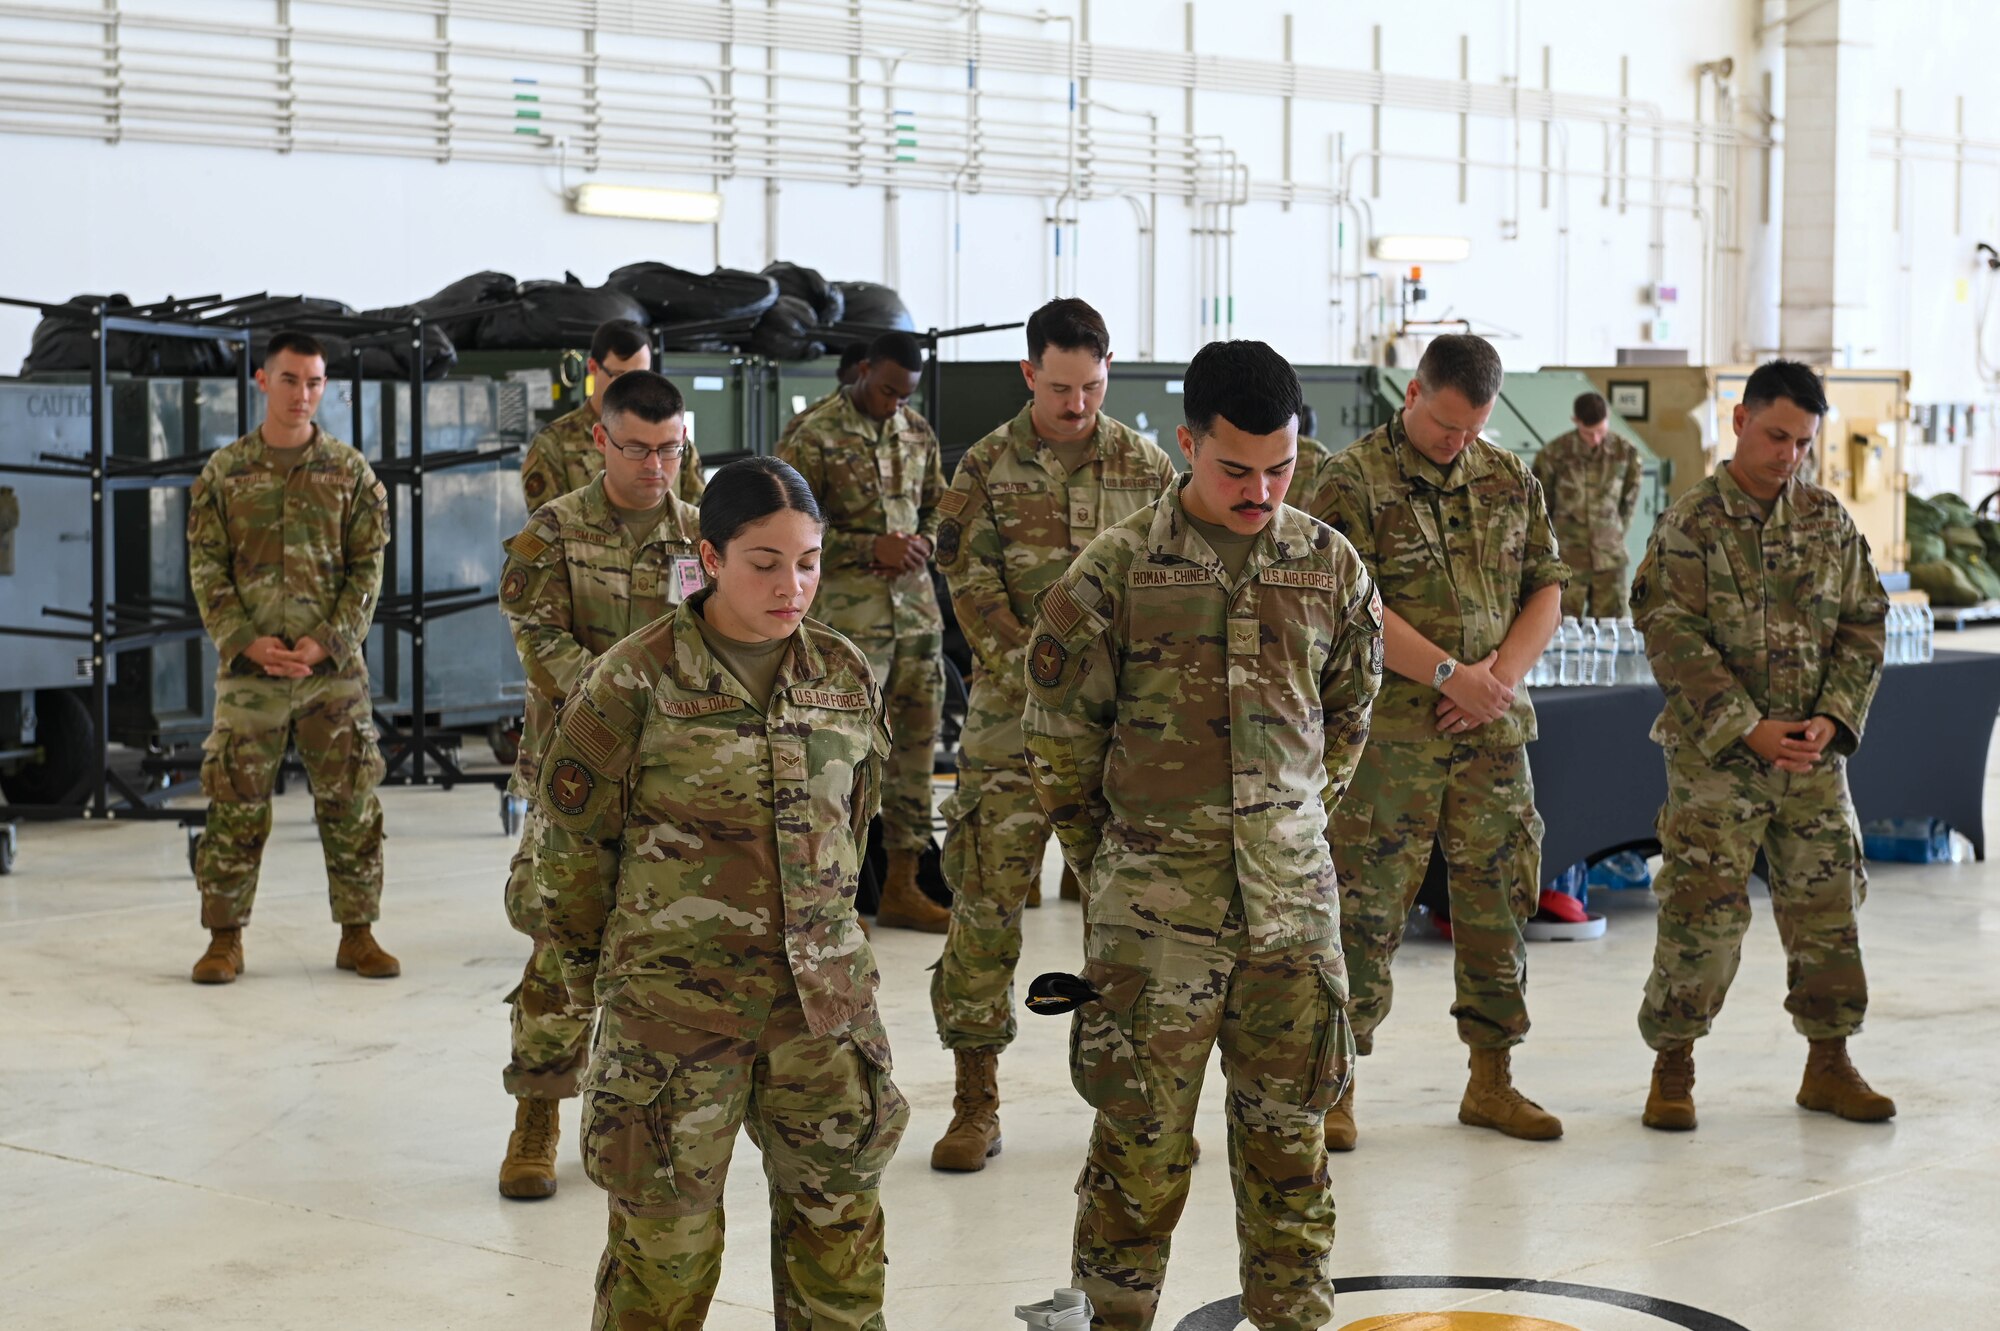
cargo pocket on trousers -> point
(960, 812)
(887, 1112)
(1527, 885)
(1103, 1048)
(1333, 1048)
(223, 776)
(628, 1133)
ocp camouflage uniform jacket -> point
(1456, 552)
(871, 479)
(575, 584)
(287, 555)
(701, 853)
(1188, 735)
(1592, 493)
(1749, 617)
(1014, 519)
(562, 458)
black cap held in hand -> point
(1055, 993)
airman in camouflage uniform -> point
(1188, 729)
(1461, 552)
(563, 458)
(697, 875)
(285, 562)
(1763, 617)
(576, 581)
(1590, 479)
(1015, 517)
(874, 466)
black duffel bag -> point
(391, 359)
(469, 293)
(875, 305)
(555, 314)
(807, 285)
(62, 344)
(675, 296)
(785, 332)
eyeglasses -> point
(639, 452)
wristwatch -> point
(1444, 672)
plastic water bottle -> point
(1569, 649)
(1896, 650)
(1926, 632)
(1632, 667)
(1607, 651)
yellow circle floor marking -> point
(1455, 1322)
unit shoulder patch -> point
(513, 586)
(1046, 661)
(570, 786)
(950, 540)
(536, 485)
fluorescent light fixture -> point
(1420, 249)
(647, 203)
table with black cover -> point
(1600, 782)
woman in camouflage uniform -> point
(705, 791)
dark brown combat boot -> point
(223, 961)
(360, 953)
(1832, 1086)
(1492, 1102)
(974, 1135)
(1670, 1104)
(1340, 1133)
(1070, 890)
(529, 1171)
(903, 904)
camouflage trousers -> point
(328, 717)
(912, 684)
(1717, 816)
(662, 1105)
(995, 833)
(549, 1043)
(1478, 805)
(1137, 1055)
(1599, 593)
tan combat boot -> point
(223, 961)
(1340, 1132)
(1035, 893)
(1832, 1086)
(529, 1171)
(974, 1134)
(1071, 890)
(360, 953)
(1670, 1104)
(903, 904)
(1492, 1102)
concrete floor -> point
(305, 1149)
